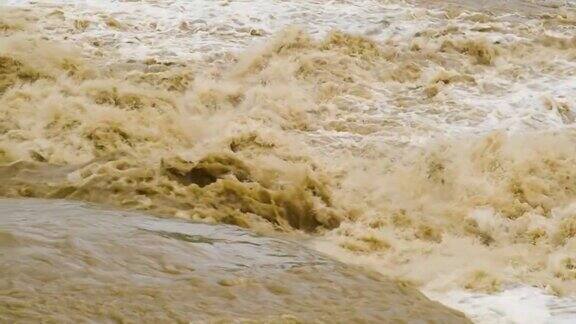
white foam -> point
(522, 305)
(221, 26)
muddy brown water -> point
(70, 262)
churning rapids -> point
(434, 144)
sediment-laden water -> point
(65, 262)
(432, 144)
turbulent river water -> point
(432, 142)
(65, 262)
